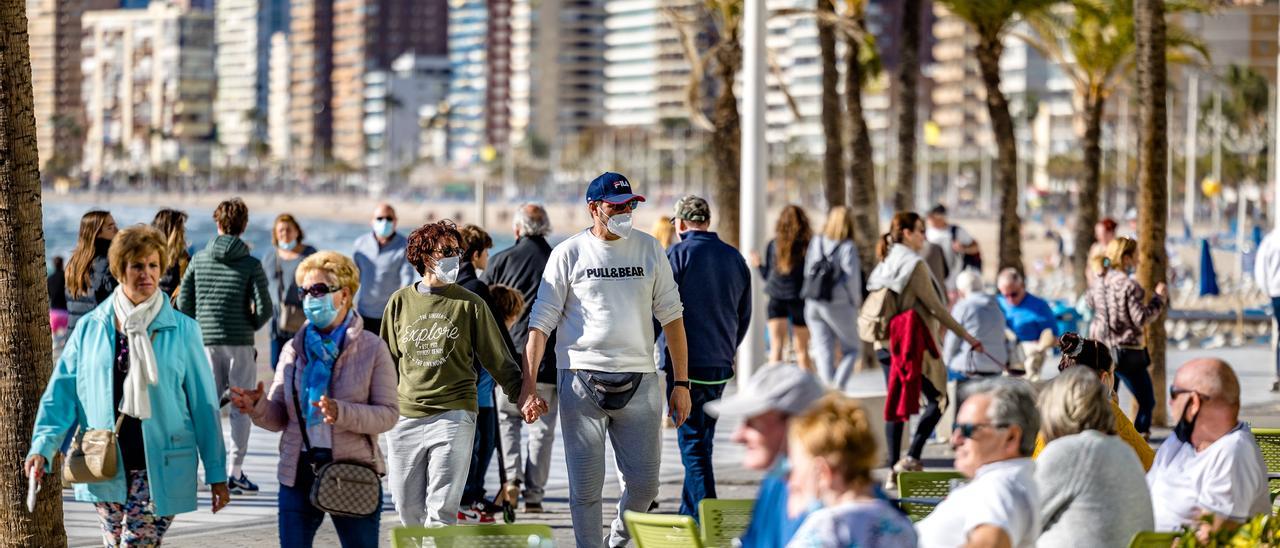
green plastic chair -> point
(1269, 441)
(923, 486)
(521, 535)
(1152, 539)
(724, 520)
(662, 530)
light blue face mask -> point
(383, 229)
(289, 245)
(319, 310)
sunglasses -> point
(318, 290)
(446, 252)
(384, 218)
(1174, 392)
(967, 430)
(618, 208)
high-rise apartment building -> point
(55, 36)
(468, 82)
(243, 36)
(398, 103)
(1239, 32)
(646, 69)
(278, 98)
(310, 69)
(148, 88)
(367, 36)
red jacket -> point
(908, 339)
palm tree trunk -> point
(988, 52)
(904, 199)
(1153, 80)
(833, 157)
(726, 141)
(1088, 193)
(864, 201)
(26, 353)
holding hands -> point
(531, 404)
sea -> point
(62, 226)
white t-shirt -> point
(601, 297)
(1228, 478)
(1002, 494)
(941, 237)
(866, 524)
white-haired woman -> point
(343, 380)
(981, 316)
(1092, 488)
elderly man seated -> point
(1211, 465)
(1029, 317)
(993, 439)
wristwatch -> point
(682, 384)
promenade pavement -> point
(250, 521)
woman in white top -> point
(831, 312)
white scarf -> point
(133, 321)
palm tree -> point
(833, 156)
(1153, 206)
(1094, 46)
(862, 63)
(723, 60)
(992, 19)
(26, 345)
(908, 74)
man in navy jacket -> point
(715, 287)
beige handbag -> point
(93, 456)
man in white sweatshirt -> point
(1266, 271)
(600, 293)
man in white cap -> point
(765, 405)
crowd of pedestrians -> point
(445, 355)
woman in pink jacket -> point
(345, 385)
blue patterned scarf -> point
(322, 352)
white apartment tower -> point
(243, 66)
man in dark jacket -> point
(225, 290)
(521, 267)
(715, 287)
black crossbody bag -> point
(343, 488)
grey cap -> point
(692, 208)
(777, 387)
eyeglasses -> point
(966, 430)
(1174, 392)
(318, 290)
(449, 251)
(384, 218)
(620, 208)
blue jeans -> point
(695, 437)
(1275, 310)
(486, 442)
(277, 343)
(299, 520)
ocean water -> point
(62, 226)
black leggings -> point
(929, 418)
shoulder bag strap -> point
(297, 406)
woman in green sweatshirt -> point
(436, 332)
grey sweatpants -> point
(636, 434)
(833, 325)
(427, 463)
(534, 470)
(235, 366)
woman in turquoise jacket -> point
(136, 364)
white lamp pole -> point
(754, 170)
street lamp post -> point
(752, 205)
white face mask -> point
(619, 225)
(446, 269)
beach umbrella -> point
(1208, 277)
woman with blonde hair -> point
(173, 225)
(136, 365)
(832, 452)
(1121, 313)
(280, 265)
(833, 293)
(88, 278)
(907, 278)
(783, 271)
(664, 231)
(342, 381)
(1092, 487)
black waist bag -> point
(611, 391)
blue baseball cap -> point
(611, 188)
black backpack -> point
(967, 260)
(820, 282)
